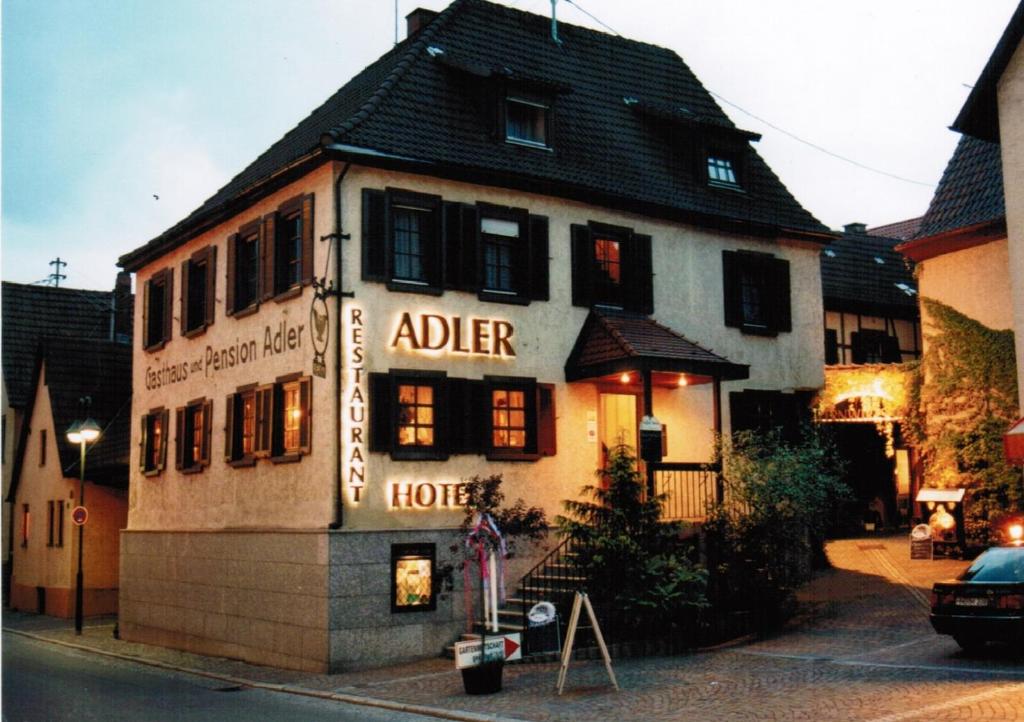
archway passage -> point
(870, 475)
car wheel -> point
(969, 644)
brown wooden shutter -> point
(779, 270)
(375, 240)
(183, 294)
(211, 284)
(731, 289)
(204, 456)
(521, 253)
(168, 302)
(165, 425)
(539, 283)
(381, 435)
(143, 439)
(268, 240)
(469, 266)
(264, 420)
(306, 405)
(582, 276)
(642, 291)
(229, 427)
(307, 239)
(481, 429)
(147, 292)
(229, 280)
(442, 418)
(459, 404)
(546, 438)
(179, 437)
(451, 216)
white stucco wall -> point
(975, 281)
(1011, 130)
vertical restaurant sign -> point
(353, 427)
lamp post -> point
(81, 433)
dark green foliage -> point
(484, 496)
(635, 563)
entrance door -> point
(617, 423)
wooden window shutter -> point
(380, 412)
(229, 427)
(211, 283)
(179, 437)
(183, 294)
(469, 266)
(204, 455)
(168, 302)
(307, 239)
(264, 420)
(306, 405)
(443, 420)
(375, 239)
(143, 440)
(546, 439)
(230, 281)
(451, 216)
(643, 272)
(732, 291)
(165, 420)
(539, 280)
(267, 258)
(481, 418)
(779, 269)
(147, 291)
(521, 275)
(532, 427)
(464, 427)
(582, 263)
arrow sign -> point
(507, 647)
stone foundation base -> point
(60, 601)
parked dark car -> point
(986, 602)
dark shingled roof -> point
(32, 312)
(903, 230)
(626, 118)
(102, 371)
(979, 115)
(970, 192)
(613, 341)
(852, 280)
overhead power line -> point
(785, 132)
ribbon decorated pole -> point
(487, 551)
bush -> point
(634, 563)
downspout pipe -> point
(339, 497)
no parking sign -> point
(79, 515)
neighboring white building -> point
(487, 253)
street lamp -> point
(81, 433)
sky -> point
(119, 117)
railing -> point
(554, 579)
(690, 488)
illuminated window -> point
(247, 433)
(416, 421)
(607, 271)
(193, 435)
(412, 577)
(293, 414)
(154, 441)
(612, 266)
(247, 405)
(508, 419)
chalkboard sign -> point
(920, 548)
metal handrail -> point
(555, 579)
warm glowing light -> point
(624, 378)
(683, 381)
(296, 413)
(1016, 532)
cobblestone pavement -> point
(861, 650)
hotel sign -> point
(453, 335)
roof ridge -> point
(392, 79)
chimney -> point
(856, 229)
(123, 308)
(418, 19)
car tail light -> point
(1011, 601)
(941, 598)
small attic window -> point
(721, 171)
(526, 120)
(830, 253)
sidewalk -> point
(867, 599)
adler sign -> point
(454, 335)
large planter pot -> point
(483, 679)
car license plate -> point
(971, 602)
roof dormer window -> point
(722, 171)
(526, 120)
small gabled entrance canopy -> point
(612, 343)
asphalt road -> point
(48, 682)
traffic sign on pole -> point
(79, 515)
